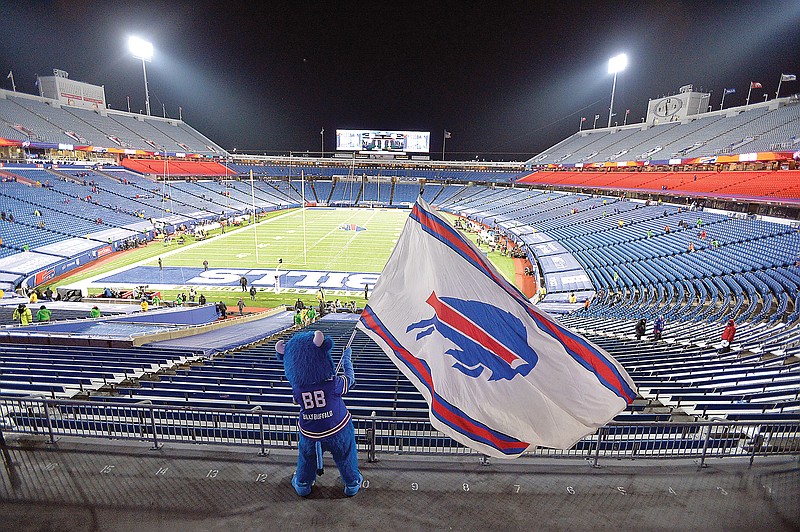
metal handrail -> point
(264, 429)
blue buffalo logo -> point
(488, 338)
(352, 227)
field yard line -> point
(346, 246)
(86, 282)
(329, 233)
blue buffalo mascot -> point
(324, 423)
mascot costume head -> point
(324, 423)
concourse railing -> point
(163, 424)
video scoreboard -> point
(383, 142)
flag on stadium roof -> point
(730, 91)
(596, 117)
(499, 375)
(788, 77)
(755, 85)
(447, 134)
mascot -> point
(324, 423)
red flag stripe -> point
(459, 322)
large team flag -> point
(499, 375)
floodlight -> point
(140, 48)
(617, 63)
(143, 50)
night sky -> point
(507, 79)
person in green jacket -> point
(94, 313)
(44, 314)
(23, 314)
(298, 318)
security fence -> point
(160, 424)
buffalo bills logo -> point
(488, 338)
(352, 227)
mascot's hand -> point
(347, 367)
(280, 349)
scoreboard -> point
(383, 142)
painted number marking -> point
(722, 490)
(622, 490)
(162, 471)
(516, 488)
(107, 469)
(212, 473)
(49, 466)
(570, 490)
(414, 486)
(261, 477)
(465, 486)
(365, 484)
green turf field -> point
(327, 246)
(281, 235)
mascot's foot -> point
(302, 488)
(351, 489)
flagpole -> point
(349, 342)
(779, 87)
(580, 125)
(255, 217)
(444, 142)
(746, 103)
(303, 188)
(13, 85)
(722, 104)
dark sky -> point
(508, 79)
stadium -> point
(150, 394)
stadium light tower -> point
(143, 50)
(615, 64)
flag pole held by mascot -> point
(325, 423)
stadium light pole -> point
(143, 50)
(615, 64)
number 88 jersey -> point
(322, 410)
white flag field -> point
(499, 375)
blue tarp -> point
(231, 336)
(558, 263)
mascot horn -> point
(324, 423)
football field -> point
(343, 240)
(291, 252)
